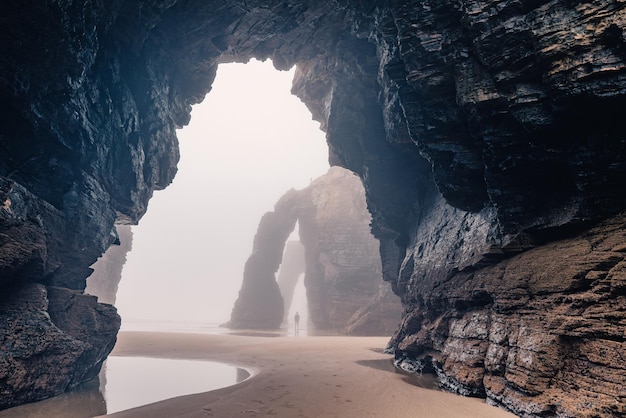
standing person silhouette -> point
(297, 322)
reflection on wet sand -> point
(135, 381)
(127, 382)
(425, 380)
(85, 401)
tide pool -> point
(128, 382)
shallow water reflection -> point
(128, 382)
(134, 381)
(84, 401)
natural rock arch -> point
(475, 126)
(340, 259)
(260, 304)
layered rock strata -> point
(343, 270)
(479, 128)
(52, 340)
(530, 331)
(338, 256)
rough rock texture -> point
(379, 316)
(52, 339)
(343, 271)
(340, 262)
(531, 330)
(107, 271)
(479, 128)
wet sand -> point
(298, 377)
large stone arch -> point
(338, 256)
(477, 128)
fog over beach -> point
(186, 267)
(314, 377)
(248, 142)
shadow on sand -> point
(425, 380)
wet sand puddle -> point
(128, 382)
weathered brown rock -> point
(541, 333)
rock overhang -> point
(498, 118)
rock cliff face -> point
(480, 129)
(530, 331)
(340, 262)
(343, 270)
(52, 339)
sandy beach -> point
(297, 377)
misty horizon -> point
(248, 142)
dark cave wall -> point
(479, 128)
(541, 333)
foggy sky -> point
(247, 144)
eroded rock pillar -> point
(260, 304)
(291, 269)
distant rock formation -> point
(341, 262)
(260, 304)
(107, 271)
(343, 270)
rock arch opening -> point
(247, 142)
(442, 110)
(299, 306)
